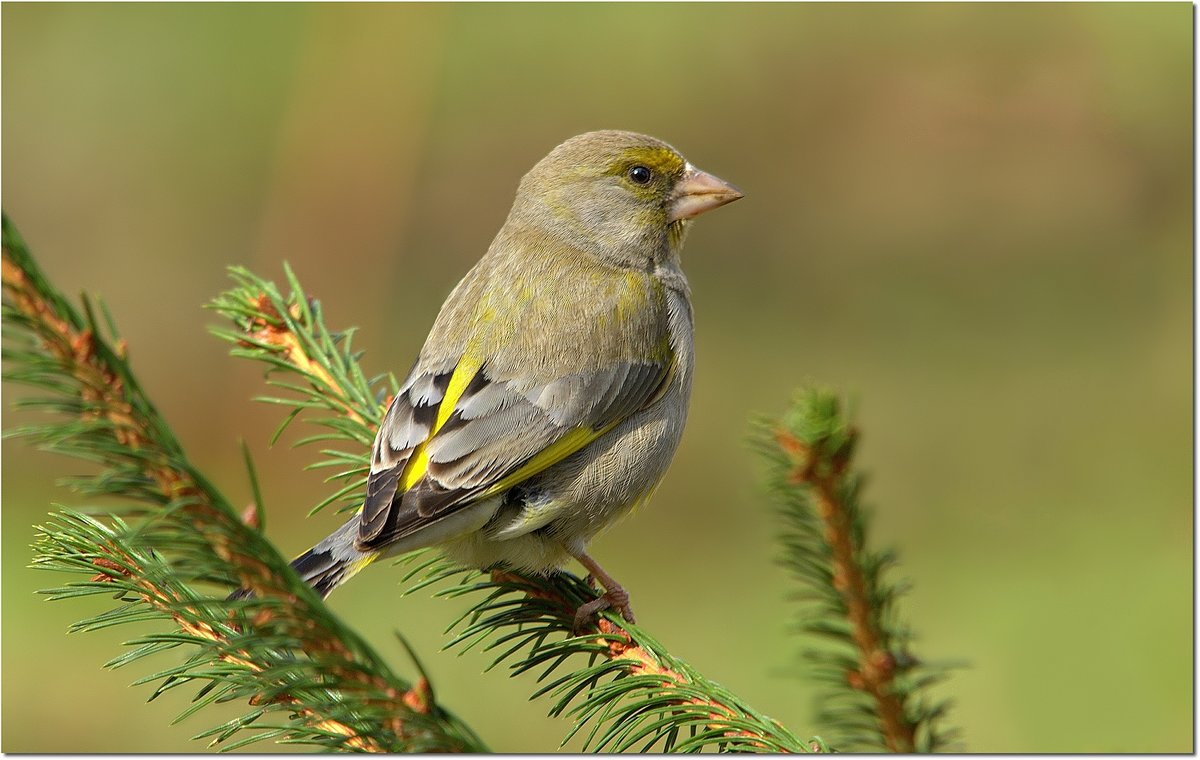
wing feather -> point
(495, 433)
(408, 423)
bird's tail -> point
(325, 570)
(329, 564)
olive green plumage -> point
(551, 393)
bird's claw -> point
(615, 599)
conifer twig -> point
(811, 450)
(876, 666)
(72, 540)
(281, 650)
(633, 693)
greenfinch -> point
(551, 393)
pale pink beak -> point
(697, 192)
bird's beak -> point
(697, 192)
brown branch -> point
(622, 648)
(108, 398)
(106, 395)
(642, 662)
(271, 330)
(173, 605)
(876, 666)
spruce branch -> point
(878, 689)
(632, 692)
(631, 695)
(255, 654)
(281, 651)
(317, 368)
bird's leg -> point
(614, 595)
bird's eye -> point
(640, 175)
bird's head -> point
(625, 196)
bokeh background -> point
(974, 220)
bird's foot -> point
(615, 598)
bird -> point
(551, 393)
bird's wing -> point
(455, 436)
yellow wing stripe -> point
(571, 441)
(418, 463)
(357, 566)
(568, 444)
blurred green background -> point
(975, 220)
